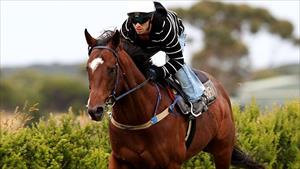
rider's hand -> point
(155, 73)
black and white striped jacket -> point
(166, 28)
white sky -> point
(52, 31)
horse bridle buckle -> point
(111, 100)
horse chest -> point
(144, 159)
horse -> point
(143, 132)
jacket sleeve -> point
(172, 48)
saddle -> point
(181, 100)
(176, 93)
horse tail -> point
(241, 159)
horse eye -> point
(111, 70)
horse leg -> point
(174, 165)
(115, 163)
(221, 148)
(223, 158)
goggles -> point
(139, 17)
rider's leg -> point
(190, 83)
(192, 87)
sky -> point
(47, 32)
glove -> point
(155, 73)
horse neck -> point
(137, 107)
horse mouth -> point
(96, 114)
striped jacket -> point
(166, 28)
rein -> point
(112, 99)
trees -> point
(60, 92)
(224, 53)
(53, 91)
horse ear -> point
(89, 39)
(116, 39)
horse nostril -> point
(96, 114)
(91, 113)
(100, 109)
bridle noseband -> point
(112, 99)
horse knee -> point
(114, 163)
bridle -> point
(113, 98)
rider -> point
(151, 28)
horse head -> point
(103, 70)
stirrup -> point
(192, 111)
(204, 108)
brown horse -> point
(143, 133)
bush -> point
(272, 137)
(58, 93)
(52, 92)
(56, 143)
(9, 95)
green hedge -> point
(52, 92)
(271, 137)
(55, 144)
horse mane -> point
(105, 37)
(140, 61)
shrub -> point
(52, 92)
(271, 137)
(56, 143)
(58, 93)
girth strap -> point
(190, 132)
(148, 124)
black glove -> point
(155, 73)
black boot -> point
(183, 106)
(200, 106)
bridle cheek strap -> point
(112, 99)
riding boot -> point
(199, 106)
(183, 106)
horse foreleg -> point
(174, 166)
(115, 163)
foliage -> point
(56, 143)
(6, 93)
(59, 92)
(224, 53)
(272, 137)
(52, 92)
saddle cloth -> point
(210, 92)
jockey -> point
(151, 28)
